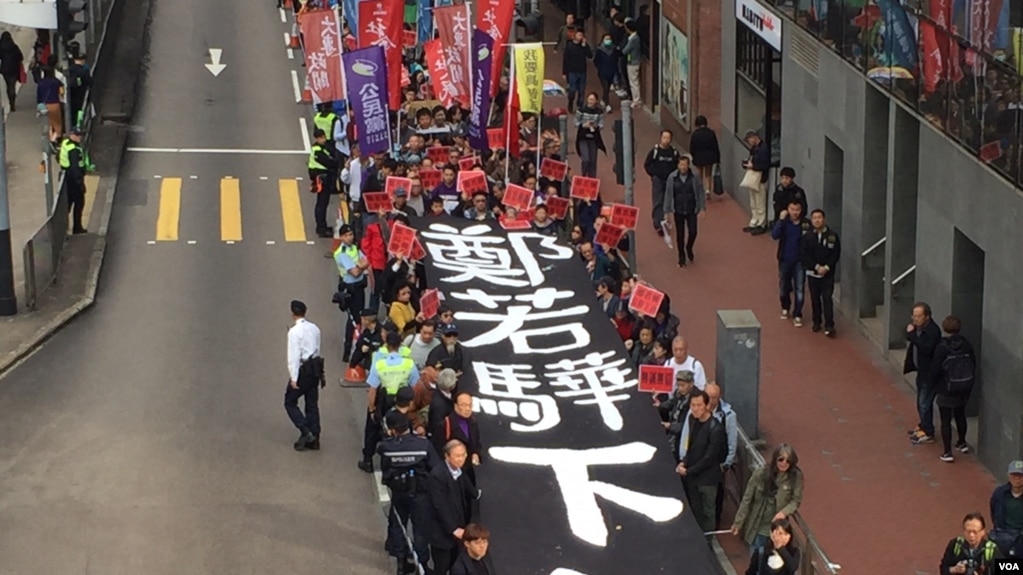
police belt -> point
(405, 480)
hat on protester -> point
(1016, 467)
(449, 329)
(686, 376)
(404, 396)
(400, 193)
(345, 229)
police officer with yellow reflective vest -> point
(73, 162)
(406, 460)
(351, 288)
(323, 172)
(326, 120)
(388, 374)
(972, 553)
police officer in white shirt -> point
(305, 378)
(680, 360)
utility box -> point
(738, 366)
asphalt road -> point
(149, 436)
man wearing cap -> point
(400, 202)
(674, 410)
(72, 161)
(323, 166)
(449, 354)
(1007, 512)
(387, 376)
(371, 339)
(351, 268)
(305, 377)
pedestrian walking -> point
(773, 492)
(391, 371)
(323, 174)
(305, 378)
(660, 162)
(955, 369)
(703, 147)
(451, 497)
(757, 166)
(351, 288)
(574, 65)
(780, 556)
(923, 336)
(565, 33)
(788, 231)
(971, 553)
(605, 60)
(633, 54)
(474, 559)
(685, 203)
(12, 66)
(589, 122)
(821, 250)
(1007, 512)
(48, 92)
(72, 161)
(461, 425)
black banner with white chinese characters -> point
(577, 477)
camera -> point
(341, 298)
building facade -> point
(903, 121)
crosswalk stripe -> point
(291, 211)
(91, 189)
(230, 210)
(170, 210)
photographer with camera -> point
(351, 288)
(972, 553)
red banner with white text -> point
(439, 75)
(322, 47)
(495, 18)
(453, 29)
(380, 24)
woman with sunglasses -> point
(780, 556)
(773, 492)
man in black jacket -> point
(820, 251)
(659, 164)
(788, 191)
(474, 559)
(923, 336)
(703, 147)
(701, 467)
(760, 161)
(573, 66)
(449, 354)
(451, 496)
(684, 201)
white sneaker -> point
(785, 314)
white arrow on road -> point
(216, 67)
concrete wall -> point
(898, 178)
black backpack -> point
(959, 370)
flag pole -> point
(508, 111)
(539, 124)
(468, 49)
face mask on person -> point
(607, 42)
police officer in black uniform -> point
(323, 172)
(371, 339)
(405, 463)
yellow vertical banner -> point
(1017, 48)
(529, 75)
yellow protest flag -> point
(529, 76)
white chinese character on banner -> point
(380, 37)
(502, 391)
(571, 470)
(376, 124)
(448, 90)
(490, 19)
(476, 255)
(584, 379)
(513, 318)
(370, 101)
(328, 37)
(453, 55)
(317, 61)
(318, 80)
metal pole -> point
(8, 300)
(90, 32)
(627, 160)
(45, 163)
(563, 132)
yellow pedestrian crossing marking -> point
(91, 189)
(291, 211)
(230, 210)
(170, 210)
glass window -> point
(1001, 118)
(758, 69)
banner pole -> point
(512, 89)
(468, 49)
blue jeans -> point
(576, 89)
(791, 278)
(758, 541)
(925, 406)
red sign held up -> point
(514, 224)
(645, 300)
(377, 202)
(429, 303)
(609, 235)
(472, 182)
(517, 197)
(495, 138)
(408, 39)
(395, 183)
(418, 253)
(438, 154)
(624, 216)
(584, 188)
(430, 178)
(557, 207)
(553, 169)
(402, 238)
(656, 379)
(468, 163)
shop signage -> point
(761, 20)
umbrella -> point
(552, 88)
(889, 73)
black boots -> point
(305, 440)
(366, 465)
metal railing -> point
(747, 459)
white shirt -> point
(303, 343)
(690, 364)
(352, 175)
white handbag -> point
(751, 181)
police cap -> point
(396, 421)
(345, 229)
(368, 312)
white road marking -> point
(157, 177)
(284, 16)
(193, 177)
(270, 242)
(287, 39)
(151, 242)
(298, 179)
(216, 67)
(192, 242)
(230, 242)
(303, 126)
(264, 178)
(291, 54)
(310, 243)
(382, 495)
(298, 89)
(215, 151)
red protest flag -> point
(454, 30)
(395, 183)
(645, 299)
(584, 188)
(510, 126)
(430, 178)
(495, 18)
(429, 303)
(418, 253)
(553, 169)
(609, 235)
(495, 138)
(656, 379)
(322, 48)
(471, 182)
(440, 76)
(624, 216)
(380, 24)
(405, 78)
(557, 207)
(402, 238)
(468, 163)
(377, 202)
(439, 155)
(518, 197)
